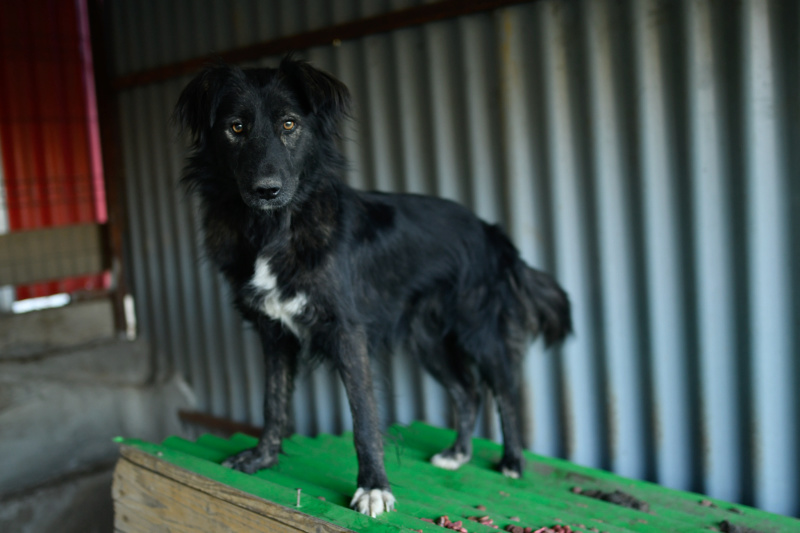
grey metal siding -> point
(647, 152)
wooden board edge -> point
(145, 501)
(287, 516)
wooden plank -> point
(257, 488)
(51, 253)
(403, 18)
(145, 501)
(165, 492)
(325, 466)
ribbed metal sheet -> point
(646, 152)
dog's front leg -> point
(280, 365)
(373, 496)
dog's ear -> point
(197, 105)
(327, 97)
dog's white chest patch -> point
(269, 300)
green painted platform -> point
(552, 491)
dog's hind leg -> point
(466, 403)
(507, 398)
(373, 495)
(504, 381)
(456, 374)
(280, 362)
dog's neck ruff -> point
(268, 298)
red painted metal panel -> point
(49, 133)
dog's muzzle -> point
(269, 193)
(267, 188)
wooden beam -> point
(404, 18)
(113, 174)
(214, 423)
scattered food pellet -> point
(445, 521)
(558, 528)
(484, 520)
(480, 507)
(554, 529)
(708, 503)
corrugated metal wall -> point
(646, 152)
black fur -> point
(346, 274)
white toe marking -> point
(510, 473)
(448, 462)
(372, 502)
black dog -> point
(323, 270)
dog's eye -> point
(237, 127)
(288, 125)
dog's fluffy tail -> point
(542, 306)
(546, 304)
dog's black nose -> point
(267, 188)
(268, 193)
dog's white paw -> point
(513, 474)
(372, 502)
(449, 461)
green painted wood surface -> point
(325, 469)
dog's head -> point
(266, 130)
